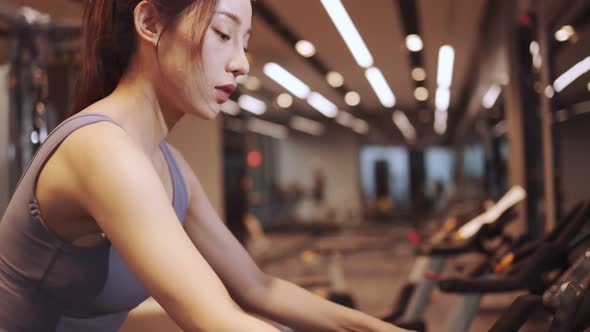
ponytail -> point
(109, 42)
(98, 73)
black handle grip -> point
(583, 313)
(479, 285)
(518, 313)
(542, 260)
(496, 228)
(446, 249)
(562, 224)
(572, 229)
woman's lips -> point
(222, 95)
(223, 92)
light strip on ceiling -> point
(380, 86)
(286, 80)
(444, 79)
(404, 125)
(446, 58)
(442, 99)
(267, 128)
(440, 127)
(345, 119)
(252, 104)
(349, 32)
(360, 126)
(307, 126)
(489, 99)
(322, 104)
(230, 107)
(440, 121)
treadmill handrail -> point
(518, 313)
(543, 259)
(573, 228)
(515, 195)
(468, 245)
(522, 280)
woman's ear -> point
(148, 22)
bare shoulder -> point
(85, 156)
(97, 141)
(103, 147)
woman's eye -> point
(223, 36)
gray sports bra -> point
(47, 284)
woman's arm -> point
(255, 291)
(115, 182)
(308, 312)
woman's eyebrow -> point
(233, 17)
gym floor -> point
(373, 275)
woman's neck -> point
(140, 111)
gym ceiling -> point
(384, 26)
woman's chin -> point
(208, 112)
(213, 111)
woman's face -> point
(200, 85)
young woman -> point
(108, 214)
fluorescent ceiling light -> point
(242, 79)
(352, 98)
(252, 83)
(421, 93)
(360, 126)
(446, 57)
(418, 74)
(537, 61)
(286, 80)
(440, 116)
(348, 32)
(414, 43)
(403, 124)
(489, 99)
(380, 86)
(335, 79)
(33, 16)
(305, 48)
(442, 98)
(230, 107)
(549, 91)
(440, 127)
(534, 47)
(267, 128)
(252, 104)
(284, 100)
(322, 104)
(571, 74)
(345, 119)
(440, 121)
(307, 126)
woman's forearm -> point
(297, 308)
(241, 321)
(218, 317)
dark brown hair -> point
(109, 41)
